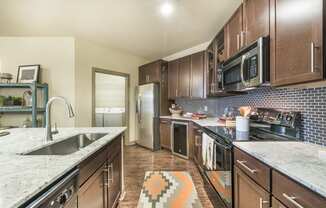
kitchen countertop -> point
(22, 177)
(210, 121)
(303, 162)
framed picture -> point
(28, 73)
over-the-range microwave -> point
(248, 69)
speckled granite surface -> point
(21, 177)
(303, 162)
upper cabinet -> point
(173, 70)
(150, 73)
(234, 33)
(296, 41)
(197, 86)
(184, 77)
(255, 20)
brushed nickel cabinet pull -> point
(238, 42)
(242, 39)
(313, 47)
(110, 172)
(242, 163)
(262, 202)
(292, 200)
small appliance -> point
(248, 69)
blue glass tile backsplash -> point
(310, 102)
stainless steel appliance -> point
(148, 114)
(248, 69)
(179, 135)
(267, 125)
(62, 194)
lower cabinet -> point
(114, 181)
(92, 193)
(277, 204)
(101, 184)
(247, 193)
(165, 134)
(198, 146)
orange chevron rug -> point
(168, 189)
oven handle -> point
(243, 59)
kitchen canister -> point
(242, 124)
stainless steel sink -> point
(68, 146)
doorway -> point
(110, 99)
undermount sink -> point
(68, 146)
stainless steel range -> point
(266, 125)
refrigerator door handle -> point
(139, 104)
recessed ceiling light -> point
(166, 9)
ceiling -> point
(136, 26)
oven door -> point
(217, 163)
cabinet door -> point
(234, 29)
(198, 147)
(248, 194)
(154, 70)
(173, 68)
(114, 181)
(277, 204)
(255, 20)
(197, 75)
(296, 41)
(92, 193)
(142, 75)
(165, 134)
(184, 77)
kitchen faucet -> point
(48, 126)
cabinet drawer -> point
(255, 169)
(293, 195)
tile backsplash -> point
(310, 102)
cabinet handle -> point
(196, 141)
(292, 200)
(110, 172)
(238, 42)
(105, 179)
(176, 92)
(312, 61)
(262, 202)
(242, 39)
(242, 163)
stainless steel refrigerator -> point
(148, 116)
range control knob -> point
(289, 118)
(63, 198)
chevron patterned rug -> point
(168, 189)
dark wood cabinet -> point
(184, 77)
(114, 180)
(100, 177)
(165, 134)
(197, 134)
(151, 72)
(197, 86)
(234, 33)
(248, 194)
(173, 70)
(296, 41)
(255, 20)
(277, 204)
(294, 195)
(92, 193)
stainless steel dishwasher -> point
(62, 194)
(179, 135)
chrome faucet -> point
(48, 126)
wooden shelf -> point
(22, 85)
(19, 109)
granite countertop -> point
(303, 162)
(22, 177)
(210, 121)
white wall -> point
(56, 56)
(89, 55)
